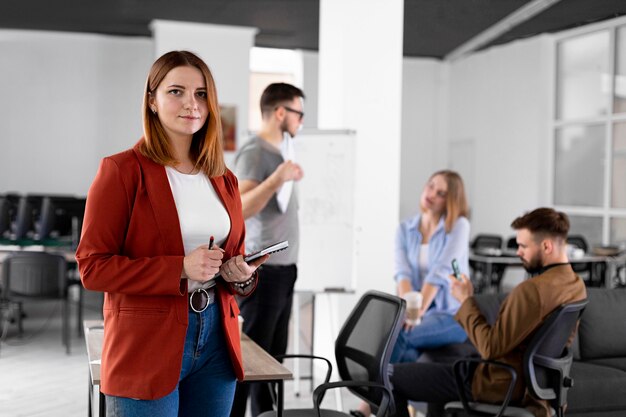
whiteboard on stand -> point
(326, 209)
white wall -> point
(500, 100)
(68, 100)
(488, 113)
(310, 86)
(423, 150)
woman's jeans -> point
(207, 382)
(435, 330)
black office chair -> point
(362, 351)
(511, 243)
(488, 245)
(593, 271)
(486, 241)
(28, 276)
(547, 362)
(579, 241)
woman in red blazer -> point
(163, 238)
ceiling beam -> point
(519, 16)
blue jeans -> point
(207, 380)
(435, 330)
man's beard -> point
(534, 265)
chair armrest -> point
(458, 376)
(320, 391)
(329, 368)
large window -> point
(590, 133)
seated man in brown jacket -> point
(541, 239)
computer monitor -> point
(5, 218)
(60, 219)
(8, 212)
(27, 213)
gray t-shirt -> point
(256, 161)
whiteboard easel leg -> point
(296, 342)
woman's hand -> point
(409, 324)
(237, 270)
(202, 263)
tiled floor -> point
(38, 379)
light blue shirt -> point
(443, 247)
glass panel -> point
(579, 165)
(618, 191)
(618, 232)
(583, 82)
(619, 99)
(589, 227)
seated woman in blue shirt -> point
(425, 247)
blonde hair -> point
(456, 201)
(206, 145)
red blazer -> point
(131, 248)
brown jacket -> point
(520, 315)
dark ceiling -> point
(432, 28)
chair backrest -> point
(579, 241)
(34, 274)
(547, 360)
(511, 243)
(487, 241)
(364, 344)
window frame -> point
(605, 212)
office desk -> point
(68, 253)
(258, 365)
(506, 259)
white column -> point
(225, 49)
(360, 83)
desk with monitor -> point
(43, 223)
(602, 269)
(33, 219)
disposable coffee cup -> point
(413, 305)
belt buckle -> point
(199, 291)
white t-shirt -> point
(200, 212)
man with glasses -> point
(267, 175)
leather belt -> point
(201, 298)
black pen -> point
(211, 239)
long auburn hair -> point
(456, 201)
(206, 144)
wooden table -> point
(258, 365)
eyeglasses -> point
(298, 112)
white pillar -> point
(360, 88)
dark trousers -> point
(266, 315)
(433, 383)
